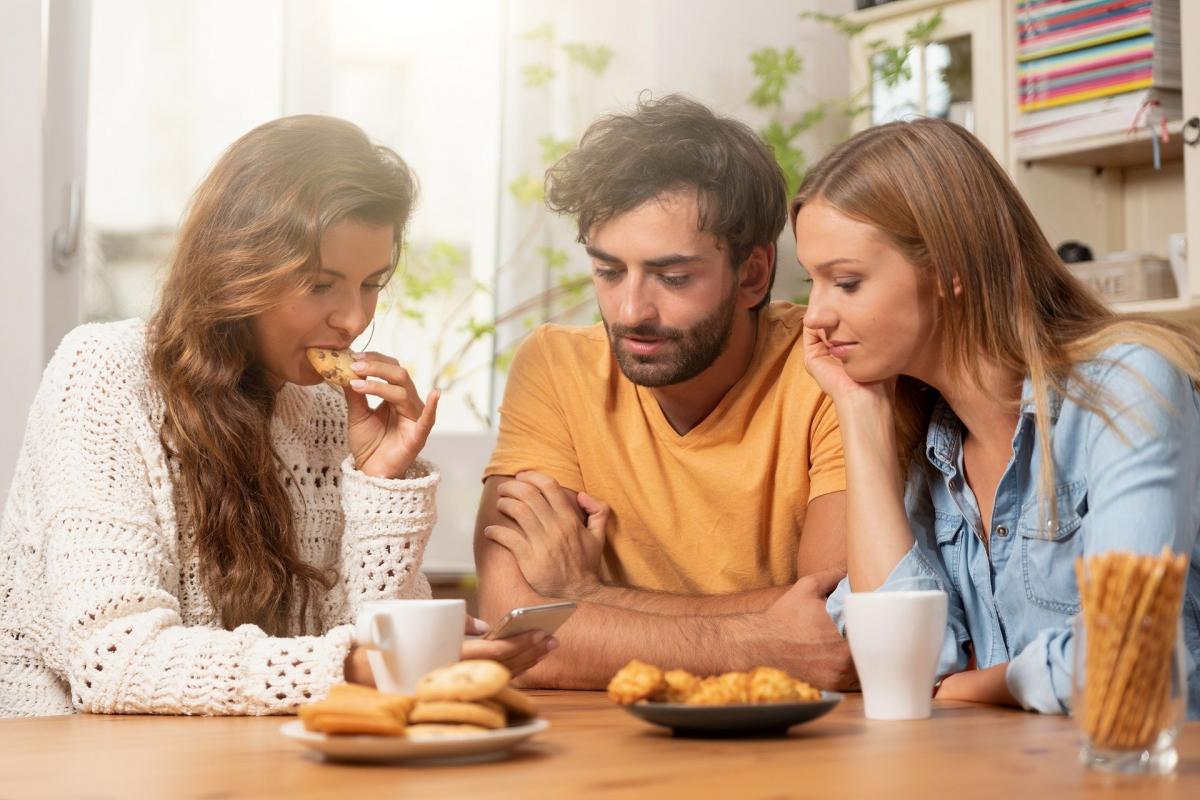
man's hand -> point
(557, 550)
(822, 656)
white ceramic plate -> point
(374, 749)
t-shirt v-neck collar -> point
(701, 432)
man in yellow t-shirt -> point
(674, 470)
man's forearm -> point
(599, 640)
(681, 604)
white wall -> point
(21, 224)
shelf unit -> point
(1101, 190)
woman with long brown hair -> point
(196, 516)
(1032, 423)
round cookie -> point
(466, 681)
(451, 711)
(433, 730)
(518, 704)
(332, 365)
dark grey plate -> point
(761, 719)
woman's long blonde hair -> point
(250, 239)
(941, 198)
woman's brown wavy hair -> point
(945, 203)
(250, 239)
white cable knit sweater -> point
(101, 608)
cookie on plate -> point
(634, 682)
(464, 681)
(516, 703)
(434, 730)
(485, 716)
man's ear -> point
(755, 275)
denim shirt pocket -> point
(1048, 554)
(948, 528)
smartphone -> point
(531, 618)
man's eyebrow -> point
(826, 265)
(672, 260)
(600, 255)
(337, 274)
(662, 262)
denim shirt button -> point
(1001, 531)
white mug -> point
(895, 639)
(408, 638)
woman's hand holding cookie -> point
(386, 440)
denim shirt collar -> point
(943, 441)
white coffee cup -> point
(408, 638)
(895, 639)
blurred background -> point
(113, 111)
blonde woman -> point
(196, 517)
(1032, 424)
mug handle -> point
(375, 630)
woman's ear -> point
(755, 275)
(955, 288)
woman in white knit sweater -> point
(196, 518)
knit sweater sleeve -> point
(387, 525)
(109, 584)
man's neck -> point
(687, 404)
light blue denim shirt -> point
(1017, 602)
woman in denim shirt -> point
(1032, 424)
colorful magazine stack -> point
(1088, 67)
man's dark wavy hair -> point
(666, 145)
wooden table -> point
(592, 749)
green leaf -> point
(477, 329)
(554, 149)
(594, 57)
(774, 69)
(527, 189)
(545, 31)
(537, 74)
(923, 29)
(838, 22)
(504, 360)
(554, 258)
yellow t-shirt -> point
(717, 510)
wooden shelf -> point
(1179, 309)
(898, 8)
(1106, 150)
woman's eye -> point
(849, 287)
(373, 287)
(320, 288)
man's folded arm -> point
(793, 633)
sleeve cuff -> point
(911, 573)
(388, 505)
(1032, 678)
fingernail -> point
(358, 366)
(358, 383)
(550, 645)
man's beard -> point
(683, 355)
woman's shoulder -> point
(102, 341)
(1133, 367)
(106, 357)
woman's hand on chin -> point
(830, 374)
(386, 440)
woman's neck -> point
(988, 411)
